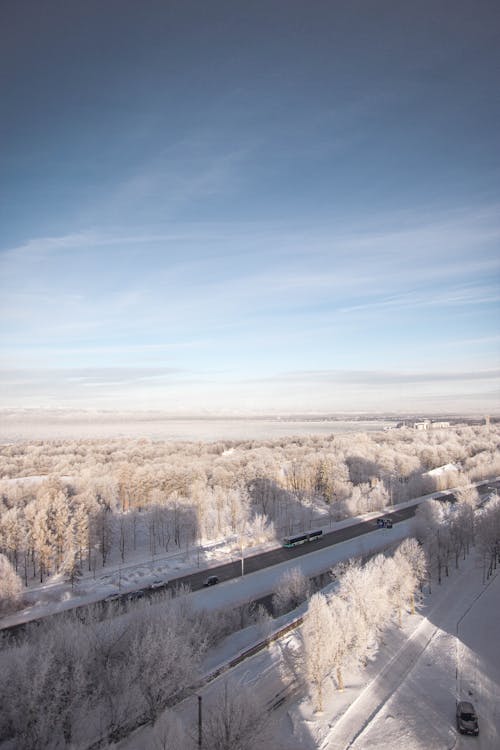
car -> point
(388, 523)
(157, 584)
(380, 523)
(134, 596)
(467, 718)
(113, 598)
(211, 581)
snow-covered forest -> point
(75, 682)
(70, 506)
(78, 681)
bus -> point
(293, 541)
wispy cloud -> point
(253, 297)
(465, 295)
(381, 377)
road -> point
(232, 570)
(253, 563)
(263, 560)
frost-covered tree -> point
(10, 586)
(342, 636)
(411, 551)
(162, 663)
(488, 536)
(292, 589)
(401, 582)
(235, 720)
(467, 495)
(71, 565)
(12, 534)
(318, 653)
(363, 587)
(45, 688)
(433, 531)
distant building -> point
(426, 424)
(423, 425)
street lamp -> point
(200, 733)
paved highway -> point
(265, 559)
(257, 562)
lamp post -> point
(200, 733)
(242, 547)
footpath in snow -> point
(410, 704)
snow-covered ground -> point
(404, 698)
(410, 704)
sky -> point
(267, 207)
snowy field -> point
(16, 427)
(404, 698)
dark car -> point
(380, 523)
(467, 718)
(211, 581)
(134, 596)
(113, 598)
(388, 523)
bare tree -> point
(235, 720)
(170, 734)
(293, 588)
(162, 663)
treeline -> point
(74, 505)
(447, 531)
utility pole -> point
(199, 722)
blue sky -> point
(270, 206)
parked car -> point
(211, 581)
(467, 718)
(388, 523)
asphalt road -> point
(253, 563)
(265, 559)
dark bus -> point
(293, 541)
